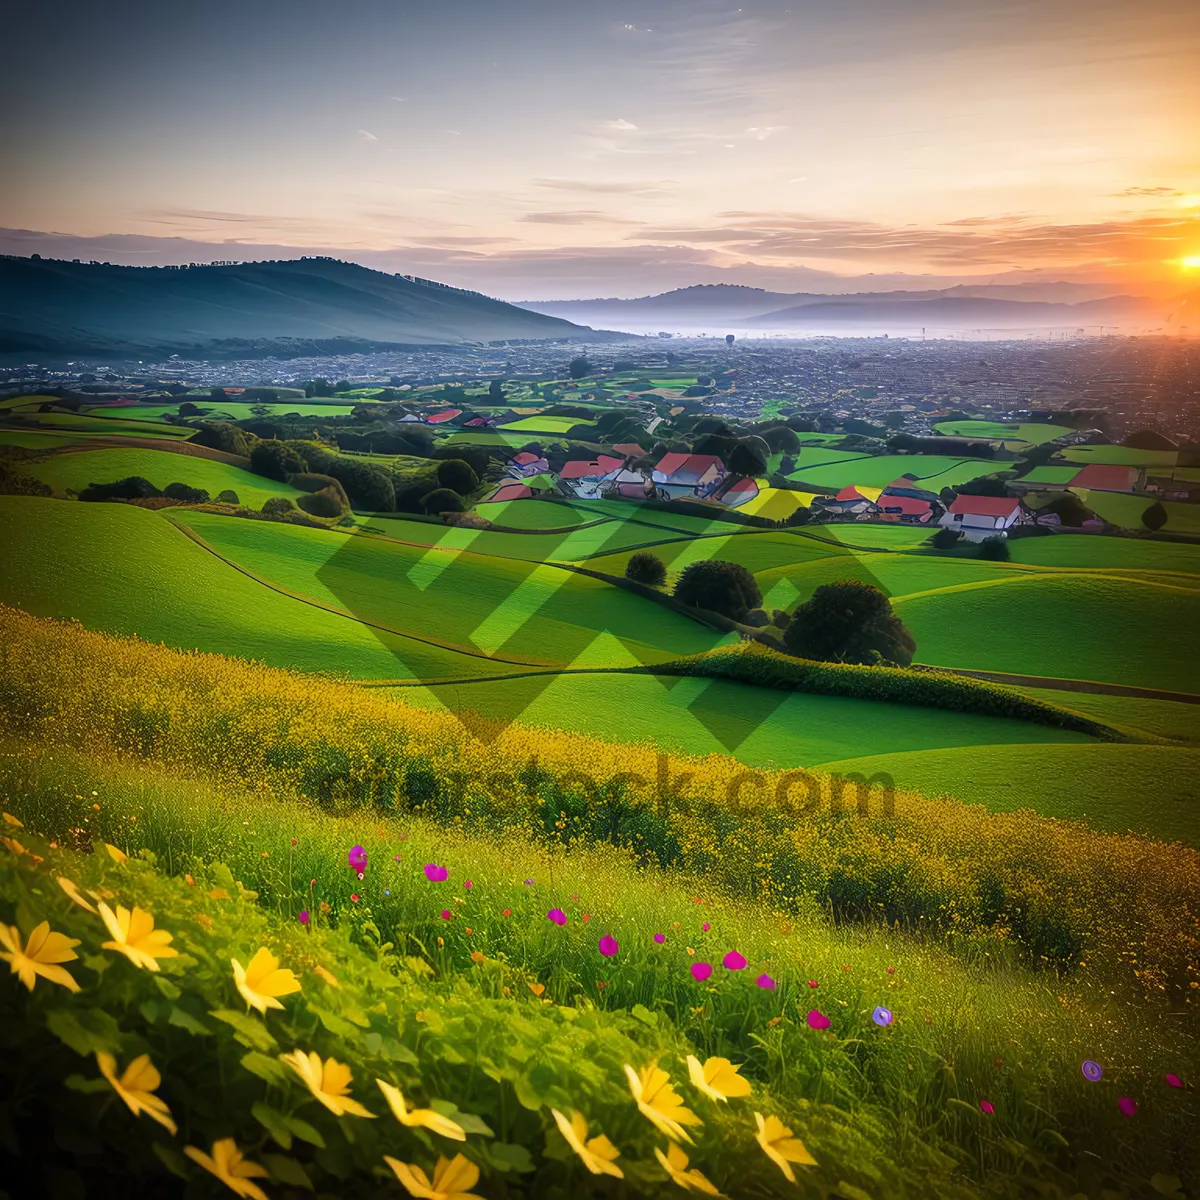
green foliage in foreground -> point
(471, 1001)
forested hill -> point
(55, 306)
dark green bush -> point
(849, 622)
(228, 496)
(186, 493)
(994, 549)
(647, 568)
(276, 506)
(442, 500)
(329, 502)
(455, 474)
(722, 587)
(134, 487)
(276, 460)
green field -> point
(1032, 434)
(82, 423)
(533, 514)
(1048, 474)
(227, 410)
(1121, 508)
(1149, 790)
(1120, 456)
(933, 471)
(76, 470)
(545, 424)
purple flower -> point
(436, 874)
(659, 938)
(557, 916)
(701, 971)
(303, 917)
(817, 1020)
(529, 883)
(706, 926)
(1127, 1105)
(1173, 1081)
(1092, 1071)
(986, 1106)
(882, 1016)
(766, 982)
(734, 961)
(357, 858)
(447, 915)
(608, 945)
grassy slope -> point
(935, 470)
(545, 424)
(1126, 510)
(1147, 789)
(1034, 434)
(1161, 718)
(81, 423)
(122, 569)
(231, 410)
(1078, 627)
(764, 728)
(469, 600)
(160, 467)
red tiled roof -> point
(511, 491)
(984, 506)
(447, 414)
(908, 506)
(630, 450)
(587, 470)
(524, 458)
(850, 492)
(669, 464)
(1106, 478)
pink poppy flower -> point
(986, 1106)
(701, 971)
(557, 916)
(357, 858)
(813, 983)
(436, 874)
(734, 961)
(468, 884)
(659, 938)
(608, 945)
(354, 897)
(1127, 1105)
(765, 981)
(447, 915)
(817, 1020)
(397, 857)
(303, 917)
(706, 926)
(1173, 1081)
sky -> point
(543, 149)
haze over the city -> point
(561, 149)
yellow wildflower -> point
(136, 1086)
(329, 1082)
(451, 1178)
(72, 891)
(328, 976)
(780, 1147)
(658, 1101)
(675, 1163)
(134, 936)
(597, 1154)
(40, 955)
(231, 1168)
(12, 844)
(9, 819)
(420, 1118)
(262, 981)
(718, 1079)
(118, 856)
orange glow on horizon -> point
(1190, 262)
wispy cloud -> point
(578, 216)
(601, 187)
(365, 135)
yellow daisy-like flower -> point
(262, 981)
(718, 1079)
(659, 1103)
(134, 935)
(597, 1154)
(9, 819)
(13, 844)
(117, 855)
(228, 1164)
(419, 1118)
(675, 1163)
(780, 1146)
(329, 1082)
(40, 955)
(72, 891)
(136, 1086)
(452, 1178)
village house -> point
(689, 475)
(980, 517)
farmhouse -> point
(979, 517)
(908, 509)
(583, 478)
(737, 493)
(682, 475)
(1101, 477)
(527, 463)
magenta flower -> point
(436, 874)
(986, 1106)
(608, 945)
(659, 938)
(557, 916)
(357, 858)
(817, 1020)
(813, 983)
(397, 857)
(766, 982)
(701, 971)
(447, 915)
(1173, 1081)
(303, 918)
(529, 883)
(706, 926)
(734, 961)
(1127, 1105)
(468, 884)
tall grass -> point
(999, 884)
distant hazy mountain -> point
(712, 307)
(291, 306)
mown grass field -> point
(545, 424)
(76, 470)
(1126, 510)
(83, 423)
(231, 410)
(1031, 434)
(1120, 456)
